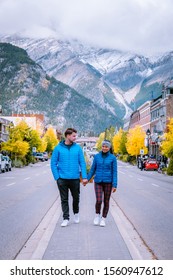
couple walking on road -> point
(68, 163)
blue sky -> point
(143, 26)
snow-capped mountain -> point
(111, 79)
(26, 88)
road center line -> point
(121, 172)
(11, 184)
(155, 185)
(27, 178)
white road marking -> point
(9, 177)
(11, 184)
(27, 178)
(140, 179)
(121, 172)
(155, 185)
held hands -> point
(84, 182)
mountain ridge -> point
(114, 80)
(26, 88)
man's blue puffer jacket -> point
(68, 161)
(105, 169)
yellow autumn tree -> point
(167, 143)
(135, 141)
(43, 145)
(20, 132)
(19, 148)
(35, 140)
(100, 140)
(117, 140)
(19, 137)
(51, 139)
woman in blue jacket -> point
(104, 167)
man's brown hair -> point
(69, 131)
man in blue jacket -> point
(67, 162)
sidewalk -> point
(84, 241)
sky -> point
(141, 26)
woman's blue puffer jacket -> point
(105, 169)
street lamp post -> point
(148, 133)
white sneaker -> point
(97, 219)
(76, 218)
(65, 223)
(102, 222)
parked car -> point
(93, 152)
(45, 154)
(151, 164)
(8, 163)
(39, 156)
(2, 163)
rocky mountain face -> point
(26, 88)
(114, 81)
(69, 62)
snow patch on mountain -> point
(88, 69)
(131, 93)
(119, 96)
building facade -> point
(4, 133)
(35, 121)
(153, 117)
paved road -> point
(146, 199)
(26, 194)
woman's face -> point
(105, 149)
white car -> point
(39, 156)
(45, 155)
(2, 164)
(7, 163)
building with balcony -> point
(35, 121)
(153, 116)
(4, 125)
(134, 119)
(161, 112)
(145, 115)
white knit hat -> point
(106, 143)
